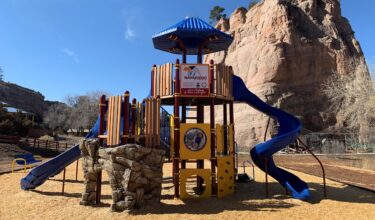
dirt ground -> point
(249, 202)
(337, 168)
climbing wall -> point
(225, 176)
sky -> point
(71, 47)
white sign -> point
(195, 80)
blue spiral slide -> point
(289, 130)
(54, 166)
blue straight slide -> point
(40, 174)
(289, 130)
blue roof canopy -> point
(191, 33)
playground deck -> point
(344, 202)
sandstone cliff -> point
(23, 98)
(285, 50)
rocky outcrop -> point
(23, 98)
(285, 51)
(135, 173)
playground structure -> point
(218, 147)
(194, 141)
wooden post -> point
(125, 131)
(225, 123)
(183, 120)
(176, 158)
(66, 146)
(152, 81)
(34, 142)
(231, 121)
(200, 163)
(134, 119)
(46, 144)
(212, 126)
(77, 170)
(183, 55)
(63, 183)
(102, 108)
(266, 172)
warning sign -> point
(195, 80)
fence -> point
(327, 143)
(9, 139)
(45, 144)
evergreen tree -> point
(216, 14)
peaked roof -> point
(192, 32)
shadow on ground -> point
(249, 197)
(252, 197)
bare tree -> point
(57, 116)
(1, 74)
(352, 96)
(84, 110)
(80, 112)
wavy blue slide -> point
(289, 130)
(52, 167)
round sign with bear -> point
(195, 139)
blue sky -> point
(61, 47)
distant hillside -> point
(23, 98)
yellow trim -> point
(24, 165)
(204, 173)
(205, 152)
(225, 176)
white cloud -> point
(71, 54)
(130, 19)
(129, 33)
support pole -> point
(183, 120)
(176, 158)
(266, 172)
(212, 126)
(77, 170)
(321, 166)
(126, 117)
(152, 81)
(63, 183)
(134, 119)
(102, 109)
(225, 123)
(200, 163)
(235, 156)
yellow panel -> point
(231, 139)
(219, 139)
(205, 150)
(225, 176)
(186, 173)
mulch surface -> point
(335, 169)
